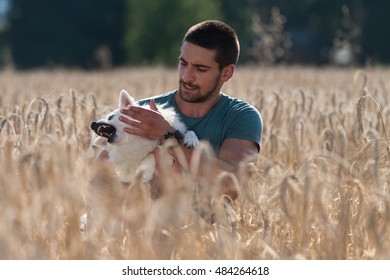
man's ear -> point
(227, 72)
(125, 99)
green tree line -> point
(102, 34)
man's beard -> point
(196, 98)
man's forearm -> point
(209, 169)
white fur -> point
(130, 153)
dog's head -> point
(110, 129)
(126, 151)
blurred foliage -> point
(154, 28)
(66, 33)
(103, 34)
(273, 44)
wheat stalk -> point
(359, 111)
(314, 204)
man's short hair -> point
(215, 35)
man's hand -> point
(174, 170)
(145, 122)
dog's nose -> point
(94, 126)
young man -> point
(208, 55)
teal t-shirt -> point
(229, 118)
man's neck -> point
(196, 110)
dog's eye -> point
(110, 117)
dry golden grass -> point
(319, 191)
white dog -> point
(132, 154)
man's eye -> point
(202, 69)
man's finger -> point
(135, 131)
(153, 105)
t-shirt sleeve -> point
(246, 124)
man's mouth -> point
(190, 87)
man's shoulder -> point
(237, 104)
(241, 112)
(159, 99)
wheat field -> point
(320, 190)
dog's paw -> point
(190, 139)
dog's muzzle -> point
(105, 130)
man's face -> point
(199, 74)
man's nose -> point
(188, 75)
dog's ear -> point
(125, 99)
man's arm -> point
(232, 154)
(151, 124)
(234, 151)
